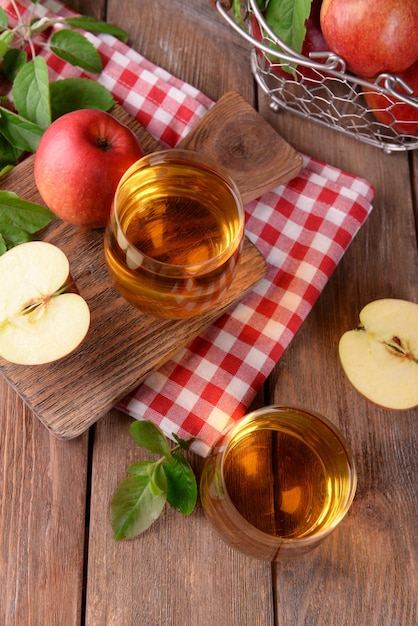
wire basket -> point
(320, 89)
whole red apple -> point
(406, 116)
(373, 36)
(79, 162)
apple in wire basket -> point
(380, 357)
(42, 317)
(373, 36)
(393, 112)
(313, 42)
(78, 164)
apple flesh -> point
(403, 118)
(372, 36)
(380, 357)
(78, 164)
(40, 320)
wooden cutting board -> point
(123, 345)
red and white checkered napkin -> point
(302, 229)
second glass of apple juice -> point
(175, 234)
(278, 482)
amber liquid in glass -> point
(186, 227)
(288, 480)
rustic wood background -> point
(58, 561)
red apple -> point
(79, 162)
(405, 115)
(372, 36)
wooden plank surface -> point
(179, 572)
(368, 567)
(42, 519)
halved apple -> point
(380, 357)
(41, 320)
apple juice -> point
(278, 483)
(175, 234)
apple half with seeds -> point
(41, 318)
(380, 357)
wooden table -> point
(59, 564)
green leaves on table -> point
(139, 499)
(78, 93)
(73, 47)
(35, 102)
(20, 219)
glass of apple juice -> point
(278, 482)
(175, 234)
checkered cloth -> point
(302, 229)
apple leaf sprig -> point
(286, 18)
(35, 102)
(20, 220)
(140, 499)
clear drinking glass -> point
(175, 233)
(278, 482)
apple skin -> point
(79, 161)
(406, 116)
(372, 36)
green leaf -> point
(70, 94)
(6, 38)
(19, 219)
(94, 25)
(3, 18)
(158, 480)
(134, 507)
(18, 131)
(14, 236)
(31, 92)
(150, 436)
(9, 155)
(181, 481)
(140, 468)
(152, 471)
(13, 61)
(287, 19)
(183, 443)
(5, 169)
(3, 246)
(74, 48)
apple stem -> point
(104, 144)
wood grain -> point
(240, 140)
(43, 485)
